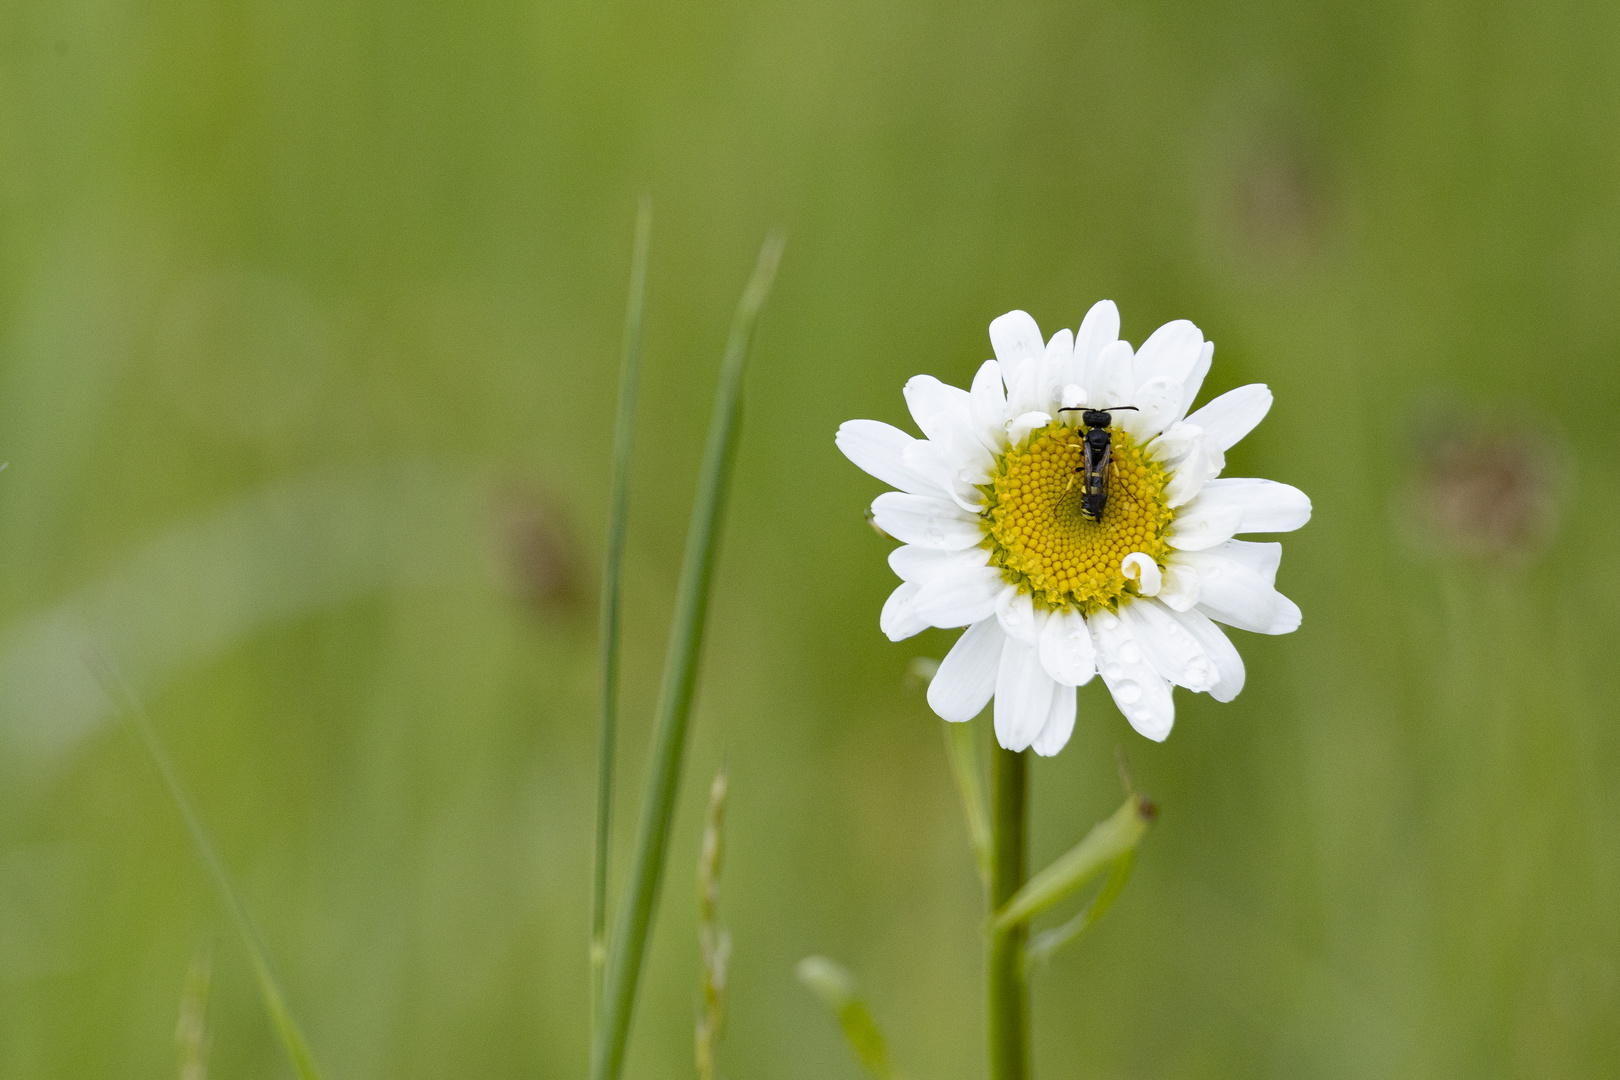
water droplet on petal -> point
(1127, 692)
(1130, 652)
(1113, 673)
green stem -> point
(618, 513)
(1007, 1003)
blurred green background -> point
(309, 321)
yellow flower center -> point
(1047, 547)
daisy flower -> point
(996, 535)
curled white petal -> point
(1139, 567)
(966, 678)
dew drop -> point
(1130, 652)
(1113, 673)
(1127, 692)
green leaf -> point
(618, 514)
(275, 1001)
(1048, 942)
(680, 679)
(1103, 845)
(836, 988)
(961, 742)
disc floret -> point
(1046, 546)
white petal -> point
(1231, 589)
(967, 676)
(1195, 380)
(1261, 558)
(1219, 649)
(953, 474)
(1169, 646)
(1059, 723)
(1170, 352)
(1158, 404)
(1234, 414)
(1288, 616)
(1017, 341)
(1267, 505)
(1099, 330)
(899, 619)
(1113, 380)
(1139, 567)
(945, 415)
(1023, 696)
(960, 598)
(879, 449)
(1141, 693)
(988, 406)
(938, 409)
(921, 564)
(1057, 371)
(1066, 650)
(1018, 617)
(919, 519)
(1201, 525)
(1019, 427)
(1181, 585)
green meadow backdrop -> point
(309, 330)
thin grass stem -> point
(636, 911)
(275, 1000)
(618, 514)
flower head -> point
(997, 535)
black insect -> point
(1097, 451)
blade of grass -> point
(275, 1001)
(680, 679)
(961, 742)
(1105, 843)
(618, 513)
(1048, 942)
(836, 988)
